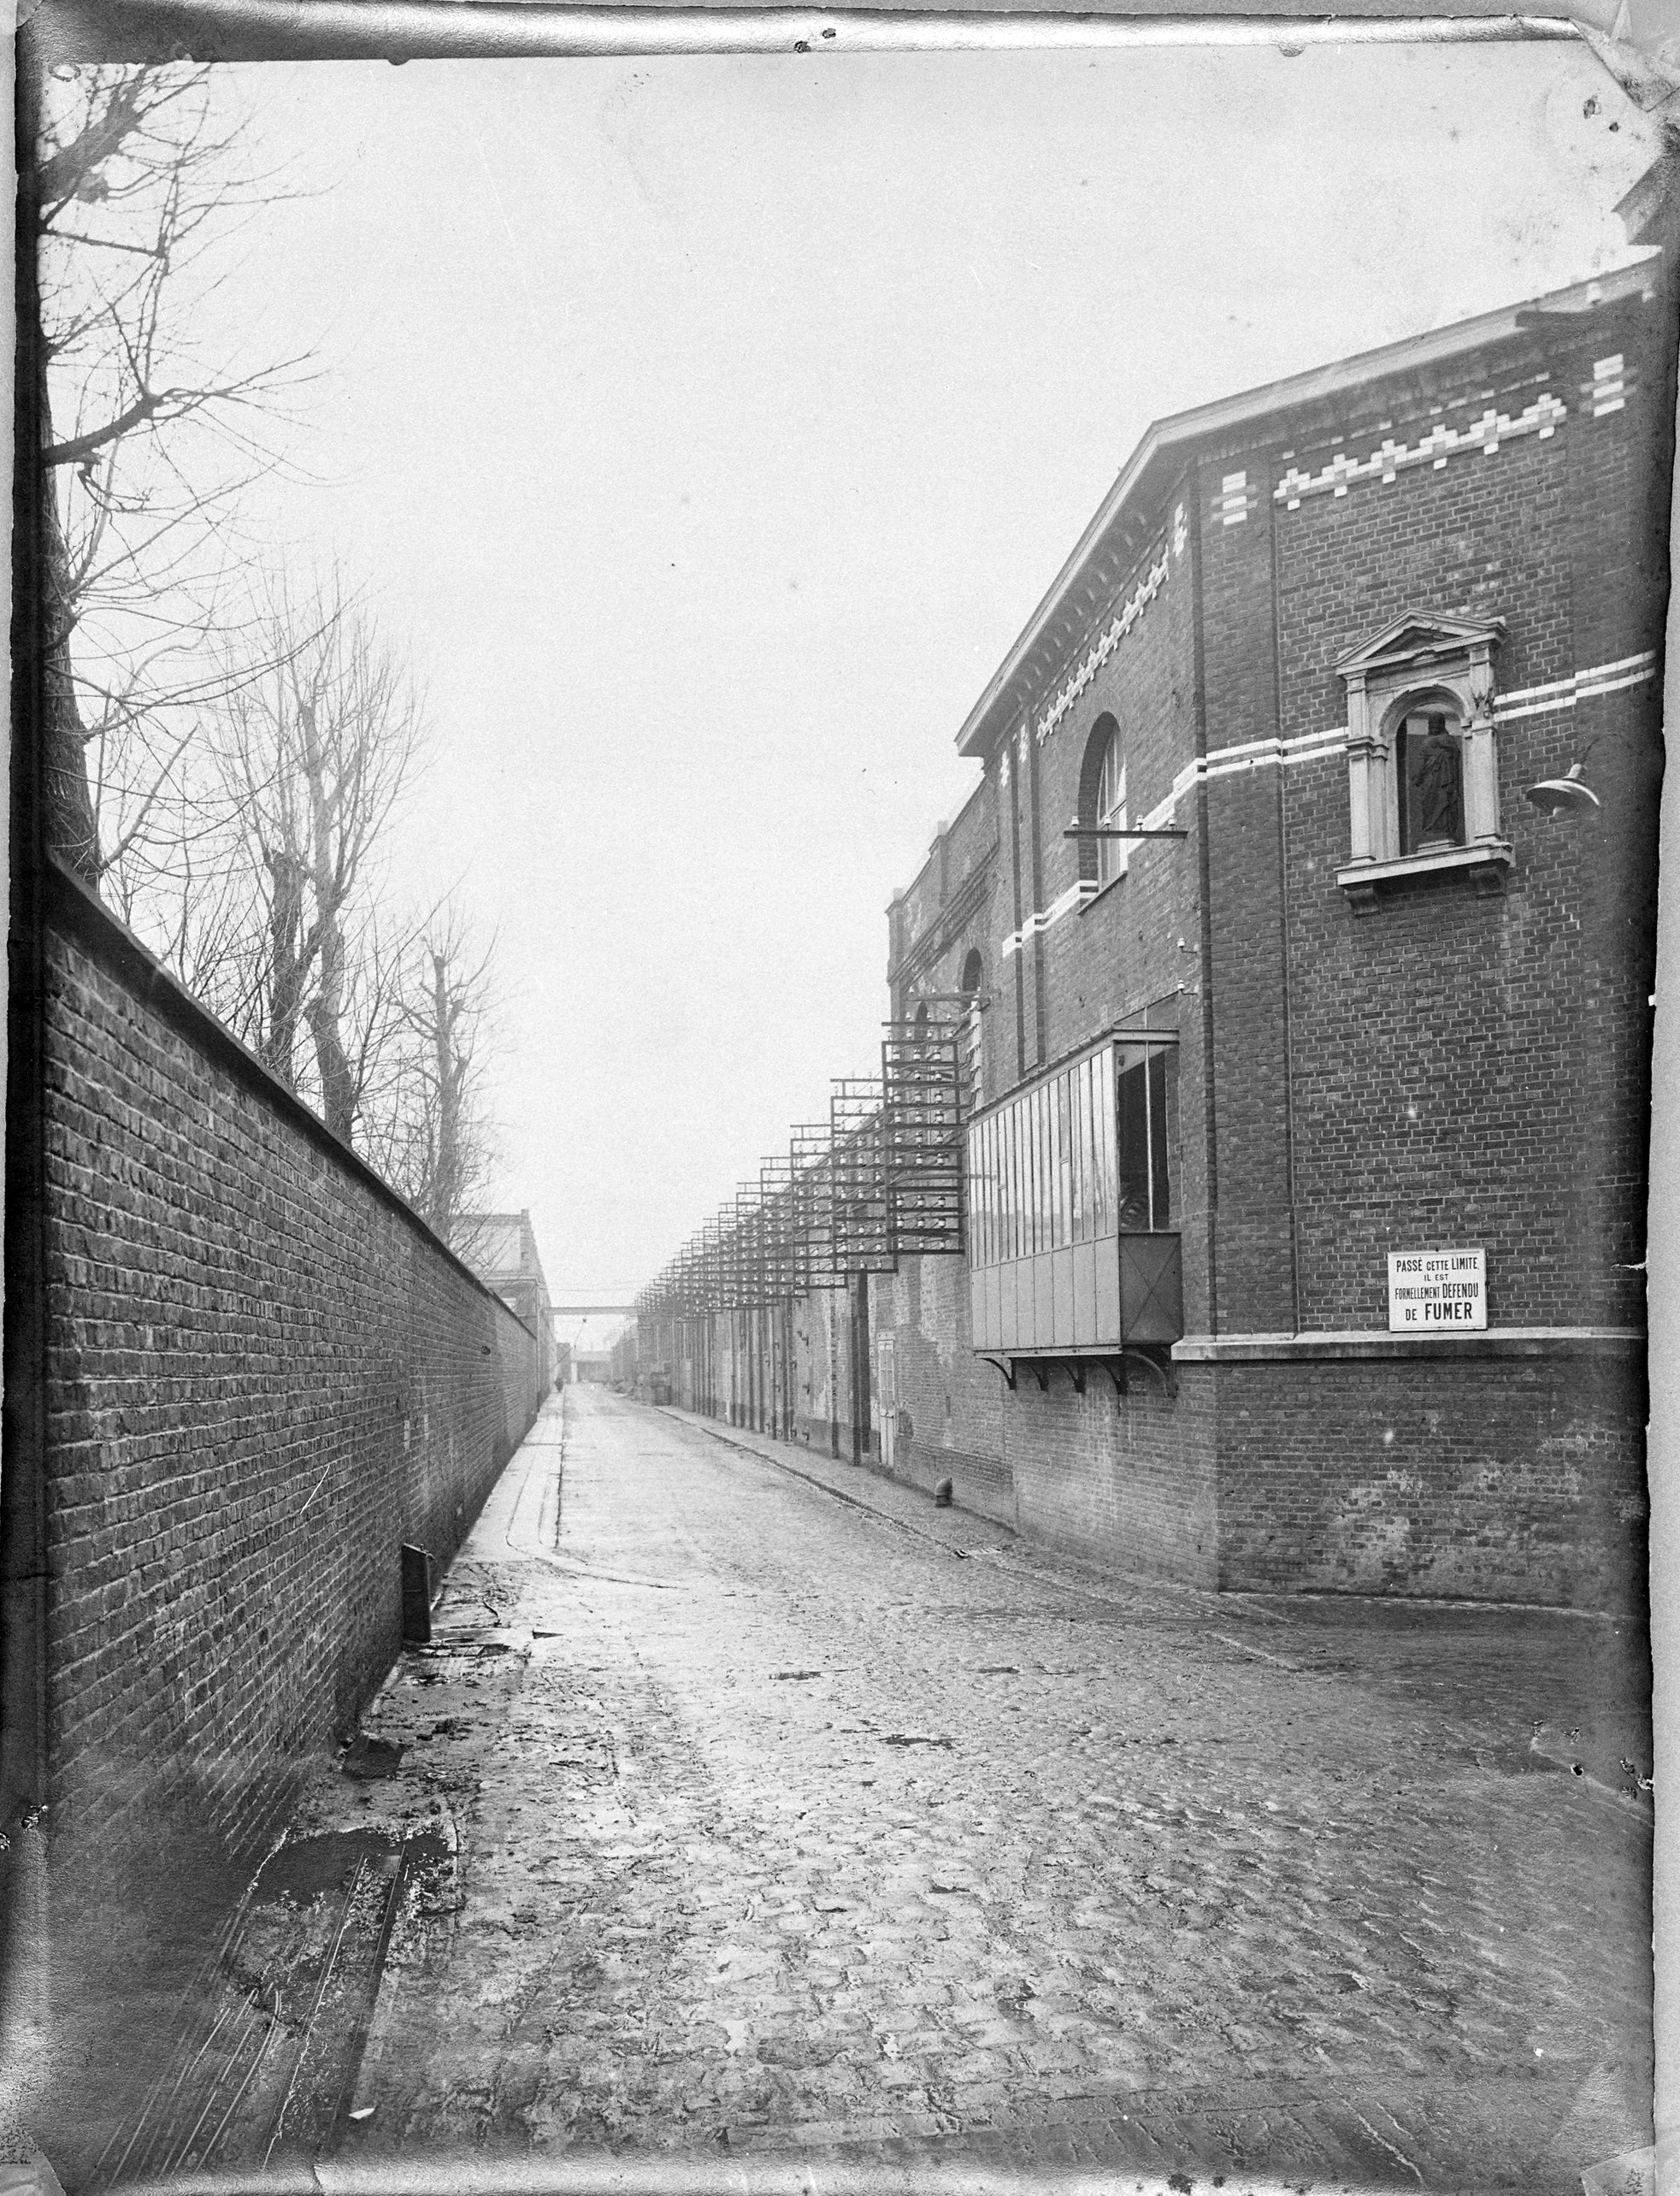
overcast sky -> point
(707, 430)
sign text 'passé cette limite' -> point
(1438, 1291)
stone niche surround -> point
(1418, 661)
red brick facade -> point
(1452, 1052)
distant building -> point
(501, 1248)
(626, 1362)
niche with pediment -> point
(1423, 761)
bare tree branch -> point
(135, 484)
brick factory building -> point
(501, 1248)
(1298, 1233)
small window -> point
(1430, 782)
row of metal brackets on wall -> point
(880, 1180)
(1151, 1358)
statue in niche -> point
(1437, 788)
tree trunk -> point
(326, 1009)
(286, 994)
(68, 820)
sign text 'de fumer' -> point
(1438, 1291)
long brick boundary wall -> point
(263, 1374)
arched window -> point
(1102, 801)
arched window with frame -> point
(1102, 803)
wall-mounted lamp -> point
(1566, 796)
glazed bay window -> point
(1070, 1202)
(1423, 760)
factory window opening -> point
(1144, 1139)
(1102, 804)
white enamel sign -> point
(1438, 1291)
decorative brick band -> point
(1543, 418)
(1106, 642)
(1316, 747)
(1084, 888)
(1580, 686)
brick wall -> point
(1455, 1067)
(264, 1374)
(1126, 1481)
(950, 1419)
(1470, 1069)
(1508, 1480)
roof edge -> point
(1180, 429)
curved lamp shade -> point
(1564, 796)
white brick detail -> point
(1107, 641)
(1580, 686)
(1086, 888)
(1542, 418)
(1316, 747)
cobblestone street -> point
(791, 1814)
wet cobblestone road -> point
(794, 1815)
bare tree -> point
(314, 755)
(436, 1143)
(144, 440)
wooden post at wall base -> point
(416, 1596)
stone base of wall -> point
(1519, 1480)
(981, 1484)
(1490, 1478)
(1123, 1479)
(1494, 1479)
